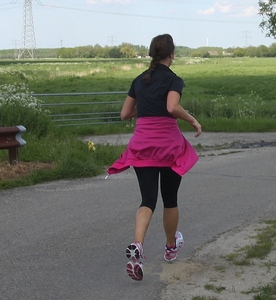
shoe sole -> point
(133, 267)
(134, 271)
(172, 259)
(133, 253)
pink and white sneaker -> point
(134, 268)
(171, 252)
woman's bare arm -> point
(176, 110)
(129, 109)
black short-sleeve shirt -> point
(151, 98)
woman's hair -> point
(161, 47)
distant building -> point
(213, 53)
(227, 53)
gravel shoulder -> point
(208, 266)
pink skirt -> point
(157, 142)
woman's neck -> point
(167, 61)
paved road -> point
(66, 240)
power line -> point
(5, 6)
(148, 16)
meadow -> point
(224, 94)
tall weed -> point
(19, 107)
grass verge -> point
(69, 157)
(267, 292)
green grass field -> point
(221, 93)
(204, 77)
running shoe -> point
(171, 252)
(134, 268)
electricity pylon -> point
(28, 44)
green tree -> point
(272, 50)
(181, 51)
(82, 52)
(239, 52)
(66, 53)
(268, 13)
(97, 50)
(142, 51)
(105, 52)
(114, 52)
(263, 51)
(251, 51)
(128, 50)
(196, 54)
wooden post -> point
(10, 139)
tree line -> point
(250, 51)
(126, 50)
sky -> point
(192, 23)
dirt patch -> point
(208, 267)
(10, 172)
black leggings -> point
(148, 178)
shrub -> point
(19, 107)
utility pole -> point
(28, 44)
(111, 38)
(15, 49)
(246, 36)
(61, 42)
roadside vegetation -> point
(257, 252)
(226, 95)
(265, 242)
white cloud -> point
(248, 12)
(208, 11)
(221, 7)
(236, 9)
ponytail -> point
(153, 63)
(161, 47)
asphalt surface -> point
(66, 240)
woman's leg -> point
(170, 182)
(142, 221)
(170, 222)
(148, 182)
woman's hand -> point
(176, 110)
(197, 127)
